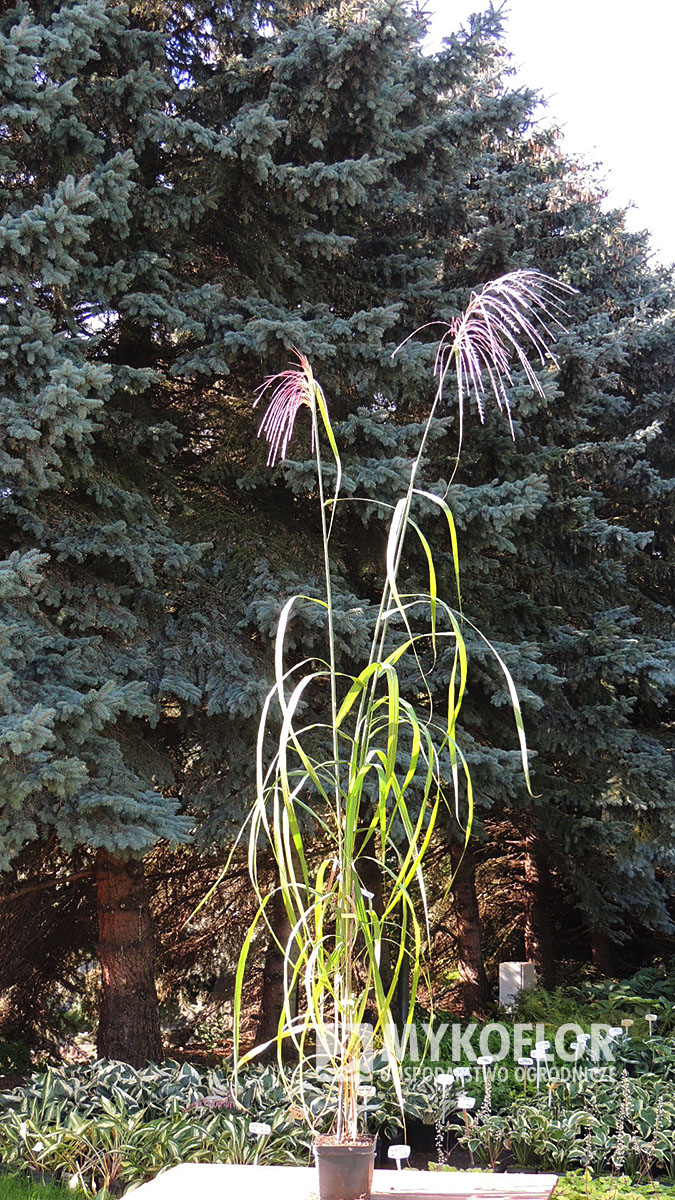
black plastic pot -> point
(346, 1170)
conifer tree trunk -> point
(473, 980)
(370, 873)
(537, 927)
(272, 1001)
(601, 950)
(128, 1027)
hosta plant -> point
(117, 1148)
(365, 783)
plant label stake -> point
(398, 1153)
(579, 1048)
(365, 1093)
(465, 1104)
(462, 1073)
(259, 1129)
(540, 1056)
(485, 1061)
(445, 1081)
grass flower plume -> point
(506, 320)
(502, 322)
(291, 389)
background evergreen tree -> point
(190, 193)
(587, 591)
(93, 306)
(555, 560)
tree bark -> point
(272, 1001)
(601, 950)
(128, 1027)
(537, 926)
(371, 876)
(472, 977)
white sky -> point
(607, 71)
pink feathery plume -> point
(291, 389)
(503, 321)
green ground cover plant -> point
(24, 1187)
(649, 990)
(15, 1058)
(582, 1185)
(615, 1124)
(110, 1126)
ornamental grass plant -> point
(358, 792)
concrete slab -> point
(215, 1181)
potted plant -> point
(361, 790)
